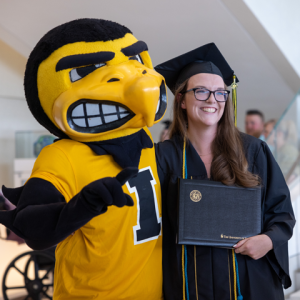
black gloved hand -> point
(108, 191)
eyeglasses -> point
(202, 94)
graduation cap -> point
(205, 59)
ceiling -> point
(170, 28)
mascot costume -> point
(95, 192)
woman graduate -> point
(203, 127)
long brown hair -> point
(229, 164)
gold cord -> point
(195, 262)
(234, 274)
(182, 258)
(229, 273)
(183, 275)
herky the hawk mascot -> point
(95, 192)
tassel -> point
(234, 98)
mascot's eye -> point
(136, 57)
(79, 73)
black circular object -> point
(36, 288)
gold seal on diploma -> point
(195, 196)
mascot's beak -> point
(144, 96)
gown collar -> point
(194, 163)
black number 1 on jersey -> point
(148, 221)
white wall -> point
(14, 113)
(169, 28)
(281, 20)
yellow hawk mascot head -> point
(92, 80)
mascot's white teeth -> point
(96, 114)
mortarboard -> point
(205, 59)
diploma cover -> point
(213, 214)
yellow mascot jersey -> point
(117, 255)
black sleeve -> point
(161, 163)
(277, 211)
(43, 218)
(168, 158)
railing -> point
(284, 142)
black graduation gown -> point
(260, 279)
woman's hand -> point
(256, 246)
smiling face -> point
(203, 113)
(101, 90)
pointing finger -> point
(126, 174)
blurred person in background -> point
(268, 128)
(254, 123)
(285, 141)
(269, 134)
(165, 134)
(282, 142)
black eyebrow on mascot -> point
(95, 192)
